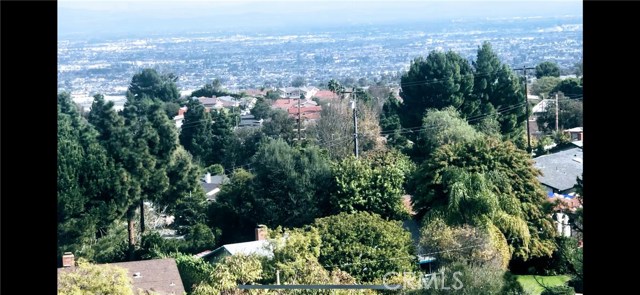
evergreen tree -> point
(148, 83)
(547, 69)
(221, 135)
(496, 89)
(196, 135)
(438, 81)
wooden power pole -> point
(526, 103)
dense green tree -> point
(88, 278)
(547, 69)
(149, 83)
(233, 211)
(438, 81)
(440, 127)
(390, 123)
(298, 81)
(112, 246)
(199, 237)
(184, 177)
(272, 95)
(558, 290)
(193, 270)
(155, 140)
(545, 85)
(262, 109)
(142, 140)
(221, 135)
(571, 88)
(578, 69)
(90, 190)
(229, 273)
(372, 183)
(280, 125)
(474, 245)
(495, 89)
(570, 115)
(130, 153)
(210, 89)
(363, 243)
(289, 184)
(242, 146)
(487, 182)
(348, 82)
(171, 108)
(196, 134)
(295, 255)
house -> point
(210, 102)
(307, 113)
(287, 103)
(260, 246)
(574, 133)
(256, 92)
(249, 121)
(160, 276)
(211, 185)
(560, 170)
(296, 92)
(326, 95)
(228, 102)
(178, 120)
(564, 203)
(309, 109)
(536, 111)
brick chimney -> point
(261, 232)
(68, 260)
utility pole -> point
(526, 103)
(355, 120)
(299, 116)
(355, 124)
(557, 112)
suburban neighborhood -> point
(421, 158)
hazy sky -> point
(117, 17)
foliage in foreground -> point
(89, 278)
(356, 243)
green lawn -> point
(530, 285)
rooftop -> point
(560, 170)
(259, 247)
(158, 275)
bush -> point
(511, 285)
(215, 169)
(577, 285)
(559, 290)
(463, 278)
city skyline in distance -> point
(127, 18)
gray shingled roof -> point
(560, 169)
(157, 275)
